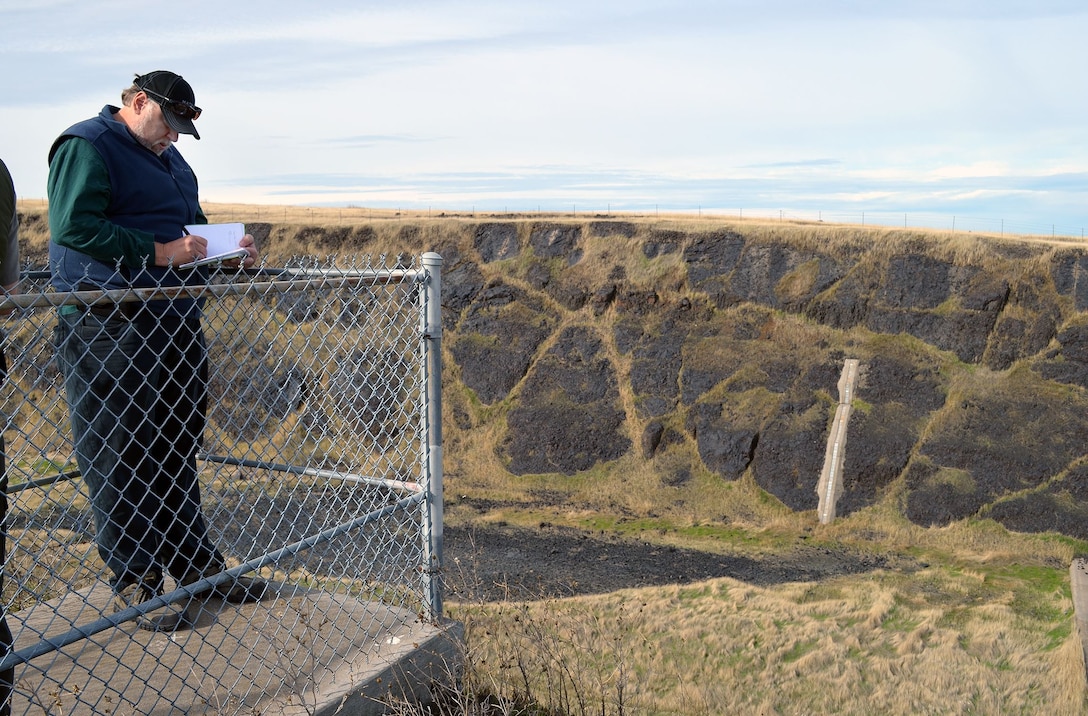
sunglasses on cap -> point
(183, 109)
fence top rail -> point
(283, 280)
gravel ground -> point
(489, 562)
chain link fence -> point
(319, 470)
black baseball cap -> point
(174, 95)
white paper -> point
(223, 240)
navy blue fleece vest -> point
(151, 193)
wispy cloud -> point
(905, 106)
(371, 140)
(798, 164)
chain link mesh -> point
(312, 475)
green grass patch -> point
(900, 619)
(1059, 634)
(798, 650)
(820, 592)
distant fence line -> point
(965, 223)
(955, 223)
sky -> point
(925, 112)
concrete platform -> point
(297, 651)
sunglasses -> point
(183, 109)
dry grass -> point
(946, 639)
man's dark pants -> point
(7, 676)
(137, 394)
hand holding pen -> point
(189, 247)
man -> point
(135, 374)
(9, 278)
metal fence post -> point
(432, 346)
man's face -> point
(151, 129)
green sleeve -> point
(9, 230)
(79, 194)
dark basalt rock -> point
(569, 416)
(1068, 362)
(1011, 438)
(915, 282)
(790, 457)
(551, 241)
(496, 242)
(1061, 506)
(779, 276)
(497, 340)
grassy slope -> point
(985, 627)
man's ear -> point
(139, 102)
